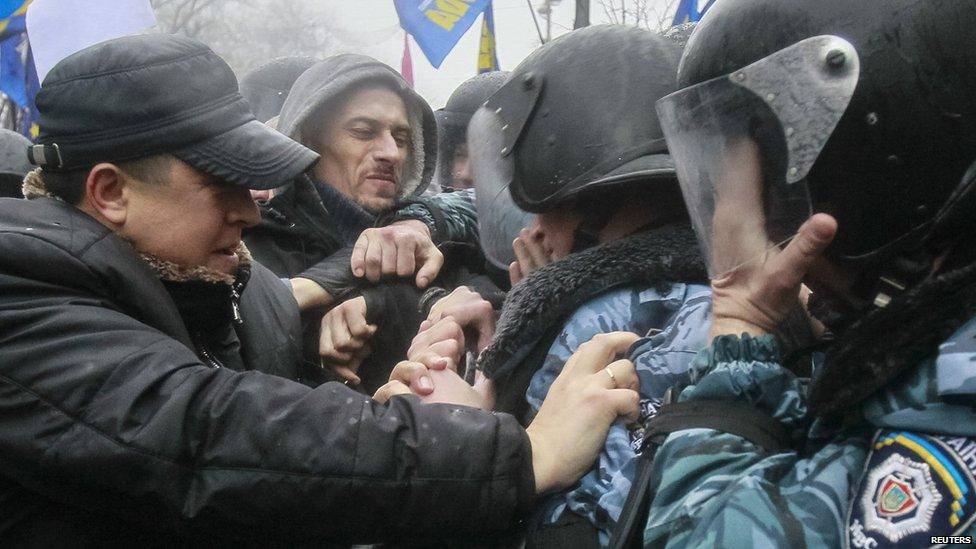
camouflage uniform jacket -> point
(627, 284)
(678, 320)
(900, 474)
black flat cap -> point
(138, 96)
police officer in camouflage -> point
(831, 143)
(453, 165)
(613, 220)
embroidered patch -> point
(648, 409)
(914, 487)
(899, 498)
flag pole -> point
(406, 62)
(536, 21)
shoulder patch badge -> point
(914, 487)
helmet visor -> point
(499, 219)
(743, 144)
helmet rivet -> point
(793, 171)
(892, 160)
(770, 96)
(836, 59)
(504, 150)
(740, 76)
(528, 82)
(789, 131)
(498, 110)
(872, 118)
(505, 127)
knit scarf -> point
(349, 218)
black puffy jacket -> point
(112, 429)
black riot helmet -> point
(576, 115)
(862, 110)
(452, 120)
(267, 86)
(574, 120)
(13, 163)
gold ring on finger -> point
(613, 378)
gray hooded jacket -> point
(329, 80)
(305, 222)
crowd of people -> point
(709, 287)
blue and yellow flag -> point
(13, 70)
(688, 11)
(487, 54)
(18, 79)
(13, 17)
(29, 126)
(437, 25)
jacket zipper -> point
(235, 304)
(235, 299)
(214, 363)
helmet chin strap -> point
(899, 274)
(935, 246)
(873, 288)
(938, 244)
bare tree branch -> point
(249, 32)
(650, 14)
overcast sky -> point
(371, 27)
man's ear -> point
(104, 192)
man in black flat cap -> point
(136, 339)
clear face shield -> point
(743, 145)
(499, 219)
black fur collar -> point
(552, 293)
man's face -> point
(557, 228)
(461, 177)
(365, 147)
(193, 220)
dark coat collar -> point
(93, 260)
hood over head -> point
(324, 84)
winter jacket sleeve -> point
(451, 217)
(392, 308)
(715, 489)
(100, 411)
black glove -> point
(334, 275)
(391, 307)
